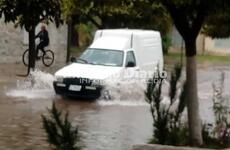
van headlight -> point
(97, 83)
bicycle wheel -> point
(48, 58)
(25, 58)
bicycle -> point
(47, 57)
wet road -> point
(102, 125)
(114, 125)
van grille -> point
(78, 81)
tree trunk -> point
(194, 121)
(31, 49)
(69, 40)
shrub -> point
(217, 135)
(61, 134)
(168, 127)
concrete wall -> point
(204, 44)
(11, 45)
(217, 46)
(14, 41)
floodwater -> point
(103, 125)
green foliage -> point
(217, 135)
(61, 134)
(120, 14)
(217, 26)
(209, 141)
(222, 113)
(220, 104)
(166, 43)
(29, 13)
(168, 126)
(189, 17)
(217, 23)
(85, 34)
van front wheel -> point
(106, 95)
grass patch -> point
(213, 58)
(171, 58)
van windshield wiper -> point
(83, 60)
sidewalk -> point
(13, 71)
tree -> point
(189, 17)
(120, 14)
(28, 14)
(217, 24)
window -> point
(103, 57)
(130, 58)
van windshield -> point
(103, 57)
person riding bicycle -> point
(43, 35)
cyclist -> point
(43, 35)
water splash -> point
(37, 86)
(124, 93)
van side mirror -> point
(73, 59)
(130, 64)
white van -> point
(112, 53)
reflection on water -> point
(111, 127)
(20, 126)
(103, 125)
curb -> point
(166, 147)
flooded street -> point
(103, 125)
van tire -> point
(106, 95)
